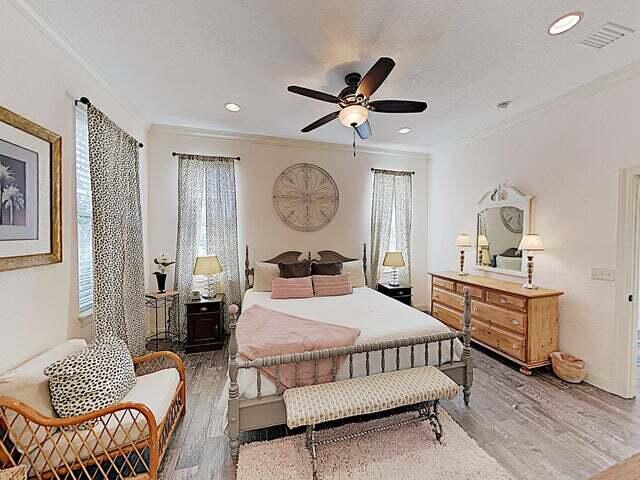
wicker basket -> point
(567, 367)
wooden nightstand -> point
(205, 324)
(402, 292)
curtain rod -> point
(85, 101)
(175, 154)
(392, 171)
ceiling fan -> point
(354, 100)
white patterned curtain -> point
(206, 207)
(118, 270)
(391, 209)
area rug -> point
(408, 452)
(628, 469)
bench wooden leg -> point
(311, 446)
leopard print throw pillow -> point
(99, 375)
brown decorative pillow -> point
(327, 268)
(295, 270)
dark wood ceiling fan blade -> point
(375, 76)
(307, 92)
(397, 106)
(364, 130)
(320, 122)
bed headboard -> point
(293, 256)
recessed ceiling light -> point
(232, 107)
(404, 130)
(565, 23)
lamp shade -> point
(483, 241)
(463, 240)
(393, 259)
(353, 115)
(207, 265)
(531, 243)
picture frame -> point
(30, 193)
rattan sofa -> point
(124, 440)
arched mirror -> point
(502, 218)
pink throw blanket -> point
(263, 332)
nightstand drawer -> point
(203, 307)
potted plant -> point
(163, 263)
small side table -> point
(402, 292)
(162, 301)
(205, 324)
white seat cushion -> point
(155, 390)
(315, 404)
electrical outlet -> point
(605, 274)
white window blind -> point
(83, 213)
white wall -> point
(38, 306)
(258, 223)
(569, 159)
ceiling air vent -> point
(606, 35)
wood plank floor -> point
(537, 427)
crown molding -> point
(44, 25)
(589, 89)
(281, 141)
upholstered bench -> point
(422, 387)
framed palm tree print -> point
(30, 193)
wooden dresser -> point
(519, 324)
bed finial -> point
(466, 351)
(233, 428)
(248, 272)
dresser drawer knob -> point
(503, 300)
(516, 346)
(515, 322)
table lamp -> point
(530, 243)
(483, 246)
(462, 241)
(395, 261)
(207, 265)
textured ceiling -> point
(179, 62)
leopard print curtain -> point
(207, 220)
(118, 270)
(392, 202)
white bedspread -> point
(377, 316)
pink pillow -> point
(329, 285)
(291, 287)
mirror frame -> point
(504, 196)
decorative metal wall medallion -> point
(305, 197)
(512, 218)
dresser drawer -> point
(475, 292)
(447, 298)
(509, 301)
(203, 307)
(447, 316)
(481, 331)
(509, 343)
(499, 316)
(442, 283)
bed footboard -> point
(265, 411)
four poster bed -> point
(393, 336)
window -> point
(83, 214)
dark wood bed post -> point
(364, 262)
(466, 351)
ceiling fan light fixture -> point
(232, 107)
(353, 115)
(565, 23)
(404, 130)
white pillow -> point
(355, 270)
(263, 273)
(28, 384)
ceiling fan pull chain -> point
(354, 143)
